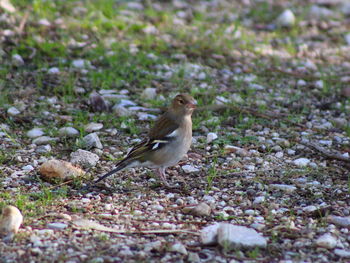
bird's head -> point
(184, 104)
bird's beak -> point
(192, 104)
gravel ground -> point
(267, 176)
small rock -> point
(283, 187)
(59, 170)
(149, 93)
(44, 22)
(347, 38)
(193, 257)
(339, 220)
(301, 162)
(189, 169)
(239, 151)
(259, 200)
(58, 226)
(17, 60)
(81, 63)
(35, 132)
(178, 247)
(98, 103)
(43, 148)
(327, 241)
(286, 19)
(68, 132)
(345, 92)
(53, 71)
(342, 253)
(121, 111)
(84, 158)
(310, 208)
(28, 168)
(211, 137)
(92, 140)
(317, 12)
(44, 140)
(10, 221)
(93, 126)
(13, 111)
(202, 209)
(237, 237)
(208, 235)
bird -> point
(166, 143)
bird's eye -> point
(181, 101)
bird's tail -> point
(121, 165)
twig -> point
(23, 23)
(58, 185)
(335, 156)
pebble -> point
(28, 168)
(13, 111)
(92, 140)
(53, 70)
(237, 237)
(10, 221)
(286, 19)
(58, 226)
(121, 111)
(327, 241)
(347, 38)
(35, 132)
(44, 140)
(81, 63)
(259, 200)
(193, 257)
(283, 187)
(53, 170)
(43, 148)
(301, 162)
(208, 235)
(342, 253)
(17, 60)
(179, 247)
(317, 12)
(202, 209)
(68, 132)
(93, 126)
(84, 158)
(189, 169)
(211, 137)
(339, 220)
(310, 208)
(149, 94)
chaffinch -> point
(167, 142)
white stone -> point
(326, 241)
(237, 237)
(208, 235)
(93, 126)
(301, 83)
(68, 132)
(92, 140)
(43, 148)
(28, 168)
(149, 93)
(17, 60)
(35, 132)
(317, 12)
(84, 158)
(301, 162)
(310, 208)
(286, 19)
(13, 111)
(339, 220)
(53, 70)
(259, 200)
(347, 38)
(178, 247)
(121, 111)
(44, 22)
(81, 63)
(211, 136)
(202, 209)
(345, 9)
(283, 187)
(189, 169)
(44, 140)
(58, 226)
(342, 253)
(143, 116)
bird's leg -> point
(161, 173)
